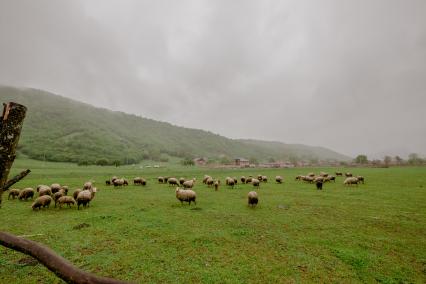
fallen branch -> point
(55, 263)
(15, 179)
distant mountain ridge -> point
(60, 129)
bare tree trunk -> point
(55, 263)
(10, 129)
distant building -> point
(241, 162)
(200, 161)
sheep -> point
(45, 191)
(76, 192)
(137, 180)
(55, 187)
(230, 182)
(173, 181)
(350, 181)
(319, 179)
(181, 180)
(42, 201)
(299, 177)
(308, 179)
(107, 182)
(42, 186)
(186, 195)
(58, 195)
(206, 177)
(166, 179)
(338, 174)
(14, 193)
(84, 197)
(26, 193)
(235, 180)
(87, 185)
(310, 174)
(66, 200)
(348, 174)
(253, 199)
(125, 182)
(189, 183)
(330, 178)
(323, 174)
(113, 179)
(255, 182)
(360, 179)
(209, 181)
(143, 181)
(118, 182)
(264, 178)
(249, 179)
(243, 179)
(216, 185)
(259, 177)
(160, 179)
(278, 179)
(65, 189)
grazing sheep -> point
(299, 177)
(339, 174)
(230, 182)
(42, 186)
(125, 182)
(87, 185)
(14, 193)
(216, 185)
(189, 183)
(253, 199)
(348, 174)
(160, 179)
(350, 181)
(84, 197)
(319, 179)
(186, 195)
(173, 181)
(107, 182)
(143, 181)
(55, 187)
(323, 174)
(65, 189)
(235, 180)
(118, 182)
(311, 175)
(243, 179)
(66, 200)
(113, 179)
(209, 181)
(360, 179)
(206, 177)
(264, 178)
(26, 193)
(44, 191)
(255, 182)
(76, 192)
(42, 201)
(137, 180)
(58, 195)
(166, 179)
(249, 179)
(259, 177)
(279, 179)
(330, 178)
(181, 180)
(308, 179)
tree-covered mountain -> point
(61, 129)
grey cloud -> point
(348, 75)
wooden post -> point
(10, 130)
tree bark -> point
(15, 179)
(10, 130)
(55, 263)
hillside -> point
(60, 129)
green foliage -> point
(102, 162)
(361, 159)
(187, 162)
(362, 234)
(59, 129)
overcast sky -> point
(348, 75)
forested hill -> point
(61, 129)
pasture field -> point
(371, 233)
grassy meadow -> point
(375, 232)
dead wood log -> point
(55, 263)
(15, 179)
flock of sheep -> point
(56, 193)
(184, 192)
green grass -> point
(370, 233)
